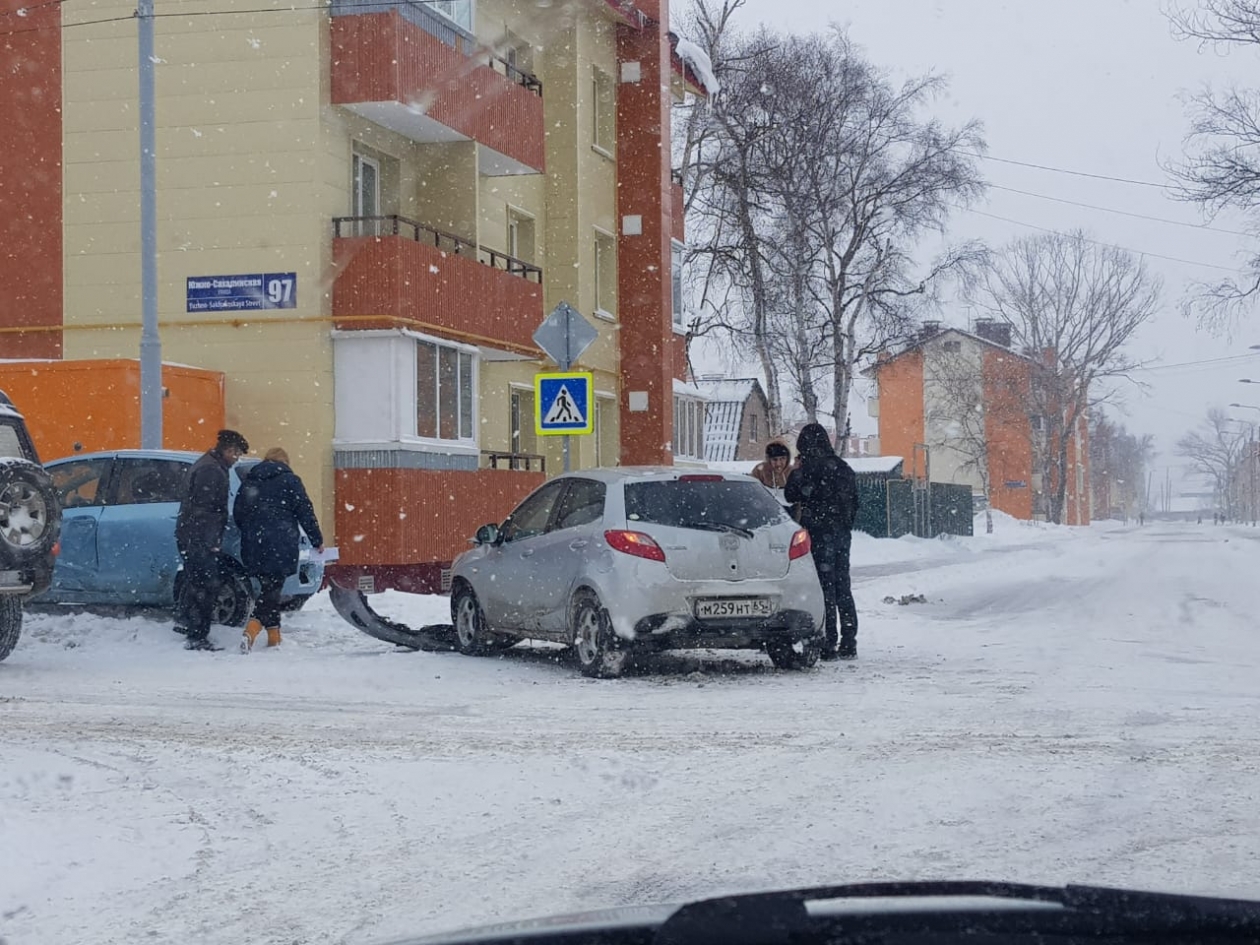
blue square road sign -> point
(563, 403)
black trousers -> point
(202, 583)
(831, 559)
(267, 610)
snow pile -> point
(700, 64)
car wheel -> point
(471, 636)
(595, 645)
(794, 656)
(235, 603)
(10, 623)
(29, 514)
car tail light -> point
(697, 477)
(634, 543)
(800, 545)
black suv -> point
(30, 523)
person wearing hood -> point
(824, 488)
(199, 527)
(270, 506)
(772, 472)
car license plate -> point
(734, 607)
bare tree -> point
(1118, 461)
(1072, 305)
(1215, 450)
(1221, 170)
(818, 178)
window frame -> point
(603, 119)
(465, 398)
(604, 253)
(676, 251)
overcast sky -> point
(1084, 85)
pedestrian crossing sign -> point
(563, 403)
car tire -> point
(10, 624)
(596, 648)
(30, 518)
(794, 656)
(472, 638)
(235, 603)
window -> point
(688, 428)
(521, 422)
(680, 502)
(79, 484)
(520, 235)
(604, 110)
(444, 392)
(146, 481)
(11, 442)
(605, 432)
(675, 274)
(367, 189)
(581, 505)
(951, 347)
(605, 274)
(460, 11)
(530, 518)
(754, 428)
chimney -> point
(992, 330)
(929, 329)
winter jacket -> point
(823, 485)
(203, 513)
(269, 508)
(770, 477)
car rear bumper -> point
(683, 631)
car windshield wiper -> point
(717, 527)
(775, 917)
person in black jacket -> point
(199, 536)
(825, 488)
(269, 508)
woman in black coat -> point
(270, 506)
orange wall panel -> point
(408, 516)
(901, 421)
(1009, 433)
(96, 404)
(30, 179)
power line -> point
(1064, 170)
(1185, 364)
(1137, 252)
(1123, 213)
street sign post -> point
(564, 335)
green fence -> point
(891, 508)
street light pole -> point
(150, 342)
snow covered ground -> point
(1068, 705)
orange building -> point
(955, 404)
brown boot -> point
(273, 636)
(252, 628)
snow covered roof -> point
(874, 464)
(700, 64)
(873, 370)
(727, 388)
(689, 390)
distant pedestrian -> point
(825, 488)
(270, 507)
(199, 527)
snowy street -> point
(1068, 705)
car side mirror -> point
(487, 535)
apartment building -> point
(955, 405)
(415, 185)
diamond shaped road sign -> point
(565, 334)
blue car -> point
(118, 536)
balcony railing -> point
(518, 461)
(395, 225)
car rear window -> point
(10, 442)
(679, 502)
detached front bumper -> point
(684, 631)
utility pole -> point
(150, 342)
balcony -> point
(406, 68)
(397, 268)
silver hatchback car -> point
(637, 558)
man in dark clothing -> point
(825, 489)
(269, 508)
(199, 536)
